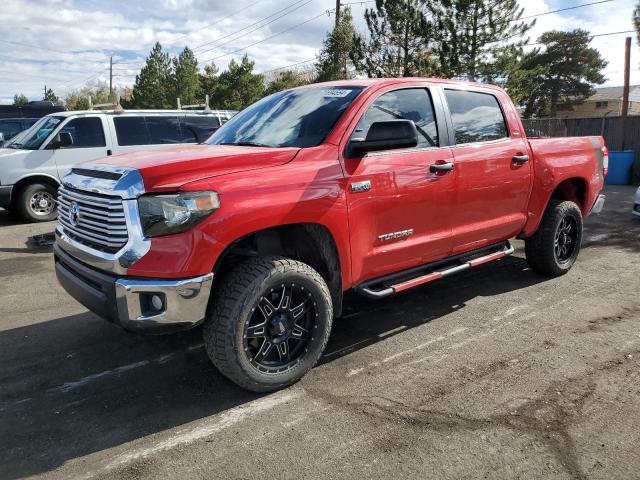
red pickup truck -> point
(371, 185)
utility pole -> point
(625, 91)
(337, 12)
(110, 78)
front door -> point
(493, 171)
(88, 142)
(399, 210)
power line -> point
(592, 36)
(564, 9)
(48, 50)
(328, 12)
(197, 47)
(221, 19)
(257, 28)
(289, 66)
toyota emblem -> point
(74, 214)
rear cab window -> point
(476, 116)
(164, 129)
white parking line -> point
(210, 426)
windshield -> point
(32, 138)
(292, 118)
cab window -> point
(476, 116)
(413, 104)
(85, 132)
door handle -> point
(520, 158)
(109, 152)
(441, 167)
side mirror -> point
(61, 140)
(386, 135)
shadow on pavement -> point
(78, 385)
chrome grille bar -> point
(95, 220)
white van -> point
(33, 162)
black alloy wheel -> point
(566, 239)
(277, 333)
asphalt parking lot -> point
(495, 373)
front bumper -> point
(129, 302)
(5, 195)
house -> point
(606, 102)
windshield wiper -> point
(246, 144)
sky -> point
(65, 44)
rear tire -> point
(268, 323)
(37, 202)
(554, 248)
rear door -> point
(400, 211)
(493, 171)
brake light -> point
(605, 160)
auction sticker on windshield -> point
(337, 92)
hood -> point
(170, 168)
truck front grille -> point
(92, 219)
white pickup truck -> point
(33, 162)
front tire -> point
(268, 323)
(37, 203)
(554, 248)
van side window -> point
(197, 128)
(131, 131)
(163, 129)
(86, 132)
(409, 104)
(476, 116)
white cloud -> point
(73, 39)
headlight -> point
(166, 214)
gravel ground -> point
(494, 373)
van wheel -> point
(37, 202)
(268, 323)
(554, 248)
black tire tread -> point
(539, 247)
(226, 304)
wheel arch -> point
(311, 243)
(574, 189)
(31, 179)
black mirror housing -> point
(386, 135)
(61, 140)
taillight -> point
(605, 160)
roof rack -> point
(204, 105)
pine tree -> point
(399, 43)
(153, 85)
(20, 99)
(559, 75)
(51, 97)
(208, 80)
(476, 38)
(185, 78)
(238, 86)
(285, 80)
(333, 58)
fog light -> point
(157, 303)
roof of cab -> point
(371, 82)
(69, 113)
